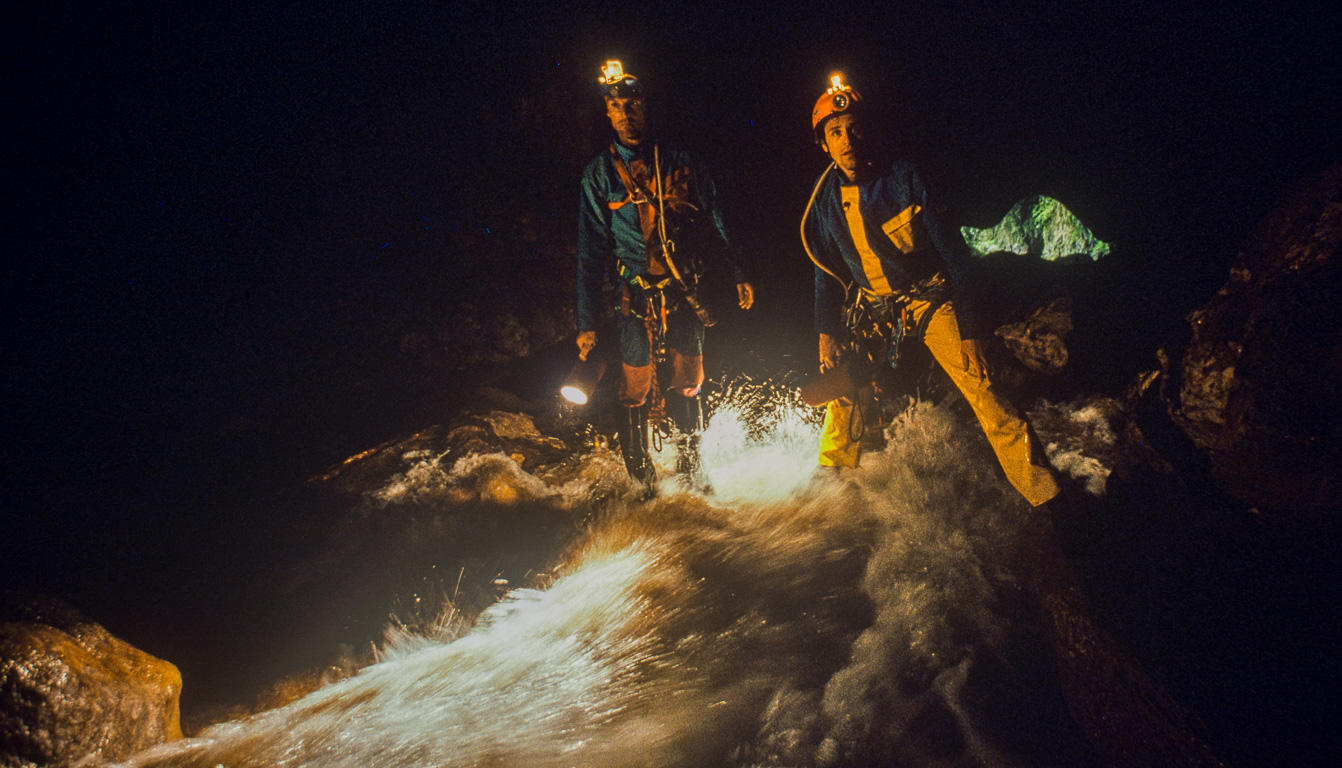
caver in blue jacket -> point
(905, 241)
(614, 231)
(649, 215)
(619, 230)
(882, 235)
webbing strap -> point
(656, 398)
(658, 283)
(648, 218)
(630, 185)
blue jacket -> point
(905, 240)
(611, 230)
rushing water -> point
(790, 618)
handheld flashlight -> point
(580, 384)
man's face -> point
(841, 138)
(629, 117)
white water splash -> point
(786, 621)
(746, 463)
(1079, 440)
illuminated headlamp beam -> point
(613, 72)
(836, 83)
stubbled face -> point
(629, 118)
(841, 138)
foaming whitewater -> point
(786, 619)
(760, 445)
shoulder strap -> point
(636, 193)
(639, 197)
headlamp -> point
(615, 81)
(612, 72)
(838, 97)
(839, 93)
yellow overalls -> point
(1005, 429)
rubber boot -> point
(633, 433)
(688, 415)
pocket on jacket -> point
(905, 229)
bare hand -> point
(829, 352)
(973, 359)
(586, 343)
(746, 293)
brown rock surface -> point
(1039, 341)
(1259, 383)
(70, 690)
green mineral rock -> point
(1037, 225)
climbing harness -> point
(686, 280)
(878, 325)
(653, 297)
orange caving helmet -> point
(836, 100)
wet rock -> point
(518, 437)
(512, 426)
(511, 335)
(469, 433)
(349, 478)
(1258, 384)
(495, 399)
(1038, 341)
(493, 479)
(1130, 719)
(69, 690)
(470, 438)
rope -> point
(859, 418)
(806, 214)
(655, 323)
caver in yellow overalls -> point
(882, 233)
